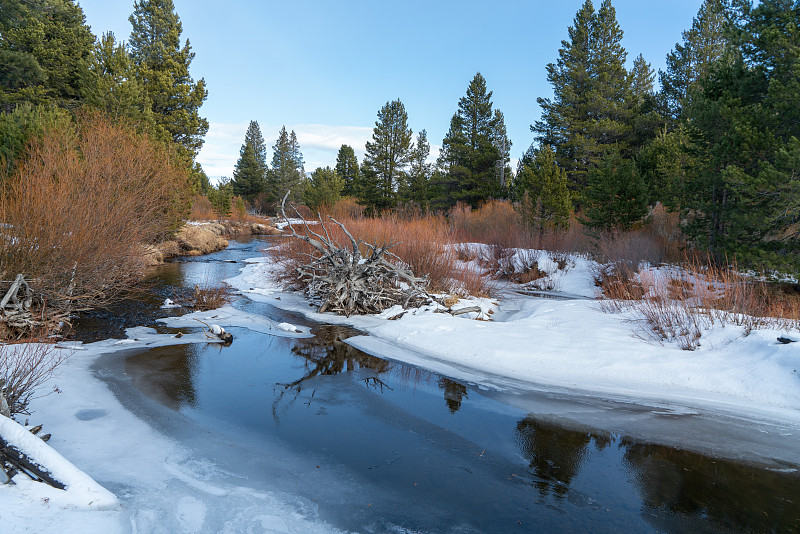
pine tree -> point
(542, 185)
(347, 169)
(45, 50)
(249, 175)
(324, 189)
(741, 198)
(470, 156)
(116, 90)
(386, 158)
(502, 143)
(616, 198)
(593, 105)
(708, 40)
(163, 69)
(287, 172)
(417, 189)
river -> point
(375, 445)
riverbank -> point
(197, 238)
(573, 344)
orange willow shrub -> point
(421, 243)
(79, 210)
(202, 209)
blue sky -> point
(325, 68)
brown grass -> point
(680, 303)
(210, 297)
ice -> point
(123, 476)
(228, 316)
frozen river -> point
(368, 444)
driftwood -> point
(19, 317)
(20, 462)
(349, 283)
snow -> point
(158, 486)
(280, 225)
(570, 343)
(230, 316)
(169, 303)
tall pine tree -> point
(470, 160)
(250, 173)
(45, 51)
(163, 68)
(417, 188)
(593, 104)
(116, 90)
(347, 169)
(742, 197)
(386, 158)
(287, 172)
(708, 40)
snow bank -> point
(572, 344)
(81, 490)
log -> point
(20, 461)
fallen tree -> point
(347, 282)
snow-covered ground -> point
(158, 484)
(571, 343)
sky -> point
(324, 68)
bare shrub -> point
(346, 208)
(81, 207)
(677, 304)
(202, 209)
(24, 368)
(496, 222)
(210, 297)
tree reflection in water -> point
(166, 374)
(454, 393)
(556, 454)
(687, 491)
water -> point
(384, 447)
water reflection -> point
(327, 354)
(166, 374)
(556, 453)
(454, 393)
(687, 491)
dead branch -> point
(350, 283)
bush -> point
(81, 206)
(202, 209)
(24, 368)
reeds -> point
(679, 303)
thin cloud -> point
(319, 144)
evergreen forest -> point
(713, 139)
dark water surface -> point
(384, 447)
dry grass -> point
(210, 297)
(678, 304)
(81, 207)
(25, 367)
(202, 209)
